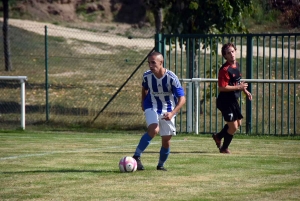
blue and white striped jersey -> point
(162, 93)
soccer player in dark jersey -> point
(230, 87)
(162, 98)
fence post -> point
(189, 107)
(197, 108)
(249, 65)
(46, 75)
(158, 43)
(160, 46)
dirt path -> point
(114, 40)
(72, 33)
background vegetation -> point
(80, 70)
(262, 16)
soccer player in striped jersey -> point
(162, 98)
(230, 87)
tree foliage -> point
(202, 16)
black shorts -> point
(231, 110)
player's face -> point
(155, 63)
(230, 55)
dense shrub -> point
(291, 16)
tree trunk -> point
(5, 36)
(158, 16)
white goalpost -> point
(22, 80)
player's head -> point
(228, 52)
(226, 46)
(155, 61)
(157, 55)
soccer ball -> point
(127, 164)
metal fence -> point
(252, 122)
(275, 107)
(74, 73)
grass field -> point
(84, 166)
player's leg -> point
(164, 152)
(233, 117)
(217, 137)
(153, 129)
(167, 130)
(232, 127)
(146, 138)
(239, 122)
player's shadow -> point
(157, 152)
(60, 171)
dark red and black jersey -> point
(229, 74)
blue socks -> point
(164, 153)
(143, 144)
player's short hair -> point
(226, 46)
(156, 54)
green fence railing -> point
(275, 108)
(73, 73)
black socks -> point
(223, 132)
(227, 140)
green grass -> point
(84, 166)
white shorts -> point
(165, 127)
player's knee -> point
(166, 141)
(239, 123)
(232, 128)
(153, 130)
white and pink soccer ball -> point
(127, 164)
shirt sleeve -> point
(177, 88)
(179, 92)
(144, 83)
(223, 78)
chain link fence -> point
(79, 77)
(73, 73)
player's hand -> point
(243, 86)
(167, 116)
(249, 95)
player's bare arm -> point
(248, 94)
(241, 87)
(169, 115)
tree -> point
(156, 6)
(205, 16)
(5, 36)
(201, 17)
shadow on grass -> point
(60, 171)
(157, 152)
(7, 107)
